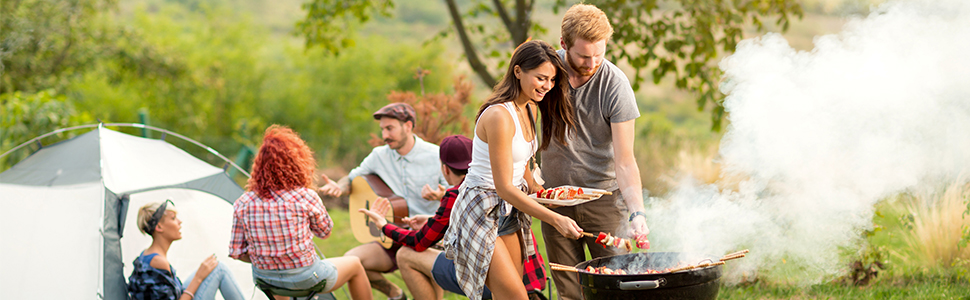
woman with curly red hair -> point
(275, 220)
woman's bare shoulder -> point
(496, 114)
(493, 121)
(160, 262)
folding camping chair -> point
(271, 290)
(316, 290)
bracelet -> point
(637, 213)
(190, 293)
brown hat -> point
(456, 152)
(401, 111)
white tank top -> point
(481, 168)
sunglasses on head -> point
(157, 216)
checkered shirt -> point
(432, 232)
(277, 233)
(471, 242)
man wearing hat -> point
(425, 270)
(407, 164)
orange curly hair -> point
(284, 162)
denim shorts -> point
(508, 224)
(300, 278)
(443, 273)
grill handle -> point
(642, 285)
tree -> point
(25, 116)
(40, 41)
(678, 38)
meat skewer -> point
(607, 239)
(608, 271)
(566, 193)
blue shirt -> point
(147, 282)
(406, 174)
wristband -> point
(637, 213)
(190, 293)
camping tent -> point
(68, 222)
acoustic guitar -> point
(364, 190)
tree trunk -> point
(480, 69)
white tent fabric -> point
(68, 224)
(126, 167)
(50, 245)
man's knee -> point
(405, 257)
(356, 251)
(364, 252)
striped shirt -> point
(277, 233)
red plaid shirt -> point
(432, 232)
(277, 233)
(534, 276)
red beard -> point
(579, 70)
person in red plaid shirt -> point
(275, 220)
(426, 271)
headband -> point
(157, 216)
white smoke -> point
(881, 108)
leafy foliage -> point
(330, 23)
(43, 41)
(683, 38)
(678, 38)
(207, 72)
(871, 259)
(26, 114)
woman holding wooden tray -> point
(497, 183)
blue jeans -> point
(300, 278)
(220, 279)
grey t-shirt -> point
(587, 160)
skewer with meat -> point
(605, 270)
(566, 193)
(607, 239)
(642, 241)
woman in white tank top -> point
(498, 179)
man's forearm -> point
(627, 171)
(344, 184)
(628, 178)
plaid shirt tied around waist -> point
(471, 242)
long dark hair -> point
(556, 107)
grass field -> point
(900, 279)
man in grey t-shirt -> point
(599, 153)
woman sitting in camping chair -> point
(275, 220)
(153, 277)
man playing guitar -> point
(410, 167)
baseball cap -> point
(456, 151)
(401, 111)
